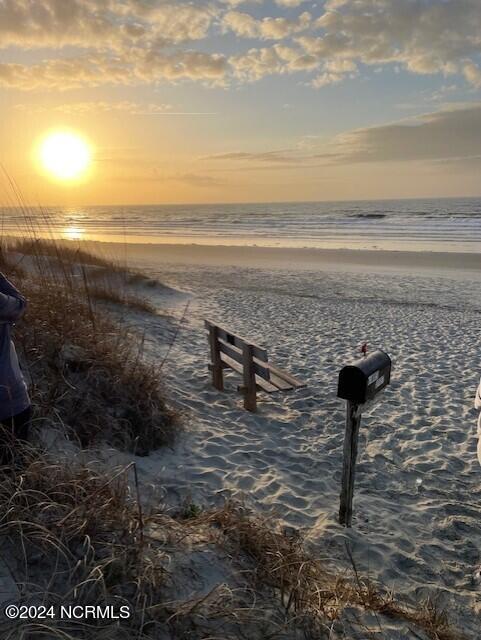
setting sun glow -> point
(73, 233)
(65, 155)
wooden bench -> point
(228, 351)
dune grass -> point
(107, 293)
(79, 535)
(63, 251)
(312, 596)
(76, 538)
(105, 279)
(8, 265)
(87, 373)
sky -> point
(254, 101)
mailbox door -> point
(352, 384)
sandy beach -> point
(416, 532)
(417, 502)
(295, 258)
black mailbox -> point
(364, 379)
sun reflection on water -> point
(73, 233)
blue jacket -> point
(13, 389)
(477, 405)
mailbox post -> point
(358, 383)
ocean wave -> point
(440, 222)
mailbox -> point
(364, 379)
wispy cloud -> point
(278, 156)
(196, 180)
(452, 133)
(97, 107)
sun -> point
(65, 155)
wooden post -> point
(353, 421)
(217, 376)
(249, 387)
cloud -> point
(237, 3)
(472, 73)
(278, 156)
(245, 26)
(278, 59)
(67, 73)
(325, 79)
(289, 3)
(452, 133)
(193, 65)
(97, 69)
(125, 42)
(80, 108)
(334, 71)
(294, 158)
(196, 180)
(88, 23)
(257, 63)
(425, 36)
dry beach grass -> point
(76, 535)
(87, 373)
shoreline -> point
(293, 258)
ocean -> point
(419, 225)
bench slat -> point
(280, 383)
(260, 382)
(280, 373)
(274, 384)
(237, 355)
(237, 341)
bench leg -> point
(217, 368)
(250, 396)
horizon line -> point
(242, 202)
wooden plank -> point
(217, 377)
(236, 354)
(230, 338)
(237, 341)
(280, 373)
(280, 379)
(231, 351)
(260, 382)
(353, 421)
(281, 384)
(249, 375)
